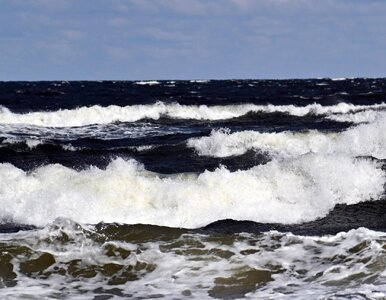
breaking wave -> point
(103, 115)
(361, 140)
(292, 191)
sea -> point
(195, 189)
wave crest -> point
(103, 115)
(291, 191)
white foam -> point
(144, 148)
(364, 139)
(330, 266)
(103, 115)
(31, 143)
(70, 147)
(343, 266)
(200, 81)
(150, 82)
(288, 191)
(357, 117)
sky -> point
(191, 39)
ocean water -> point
(201, 189)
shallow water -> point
(67, 260)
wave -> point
(339, 79)
(364, 116)
(150, 82)
(137, 130)
(200, 81)
(285, 191)
(22, 144)
(133, 262)
(103, 115)
(25, 144)
(362, 140)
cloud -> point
(117, 53)
(235, 38)
(52, 5)
(165, 34)
(248, 7)
(59, 52)
(143, 5)
(73, 34)
(118, 22)
(187, 6)
(182, 7)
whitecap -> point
(96, 114)
(286, 191)
(362, 140)
(150, 82)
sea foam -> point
(289, 191)
(96, 114)
(361, 140)
(86, 261)
(150, 82)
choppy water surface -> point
(67, 260)
(193, 189)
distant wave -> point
(30, 144)
(150, 82)
(364, 139)
(292, 191)
(339, 79)
(109, 131)
(357, 117)
(26, 143)
(103, 115)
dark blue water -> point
(223, 189)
